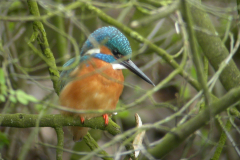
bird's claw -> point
(105, 117)
(82, 120)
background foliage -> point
(186, 47)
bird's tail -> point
(78, 133)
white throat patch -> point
(118, 66)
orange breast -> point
(96, 86)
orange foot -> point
(82, 120)
(105, 117)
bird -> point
(97, 81)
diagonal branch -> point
(213, 48)
(94, 146)
(179, 134)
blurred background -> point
(25, 70)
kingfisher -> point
(97, 81)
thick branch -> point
(179, 134)
(213, 48)
(21, 120)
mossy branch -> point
(60, 139)
(41, 36)
(213, 47)
(222, 140)
(94, 146)
(21, 120)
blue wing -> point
(64, 75)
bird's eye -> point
(116, 53)
(119, 56)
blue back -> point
(64, 79)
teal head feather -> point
(110, 37)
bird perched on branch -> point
(97, 81)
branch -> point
(67, 9)
(21, 120)
(179, 134)
(162, 13)
(194, 50)
(60, 138)
(222, 140)
(93, 145)
(213, 47)
(40, 34)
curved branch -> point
(41, 36)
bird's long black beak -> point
(133, 68)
